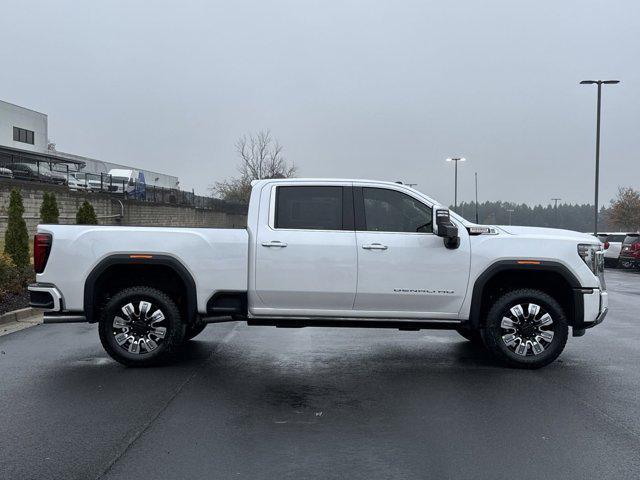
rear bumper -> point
(634, 262)
(45, 296)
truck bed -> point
(216, 258)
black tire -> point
(474, 336)
(133, 327)
(529, 331)
(624, 264)
(193, 330)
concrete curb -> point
(18, 315)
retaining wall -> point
(112, 210)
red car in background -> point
(630, 253)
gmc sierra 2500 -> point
(339, 253)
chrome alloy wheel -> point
(139, 331)
(527, 329)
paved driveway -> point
(267, 403)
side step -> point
(411, 325)
(63, 318)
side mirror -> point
(446, 229)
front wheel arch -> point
(552, 278)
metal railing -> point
(62, 174)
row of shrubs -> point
(15, 261)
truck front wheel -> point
(526, 328)
(141, 326)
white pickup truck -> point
(332, 253)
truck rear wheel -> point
(141, 326)
(526, 328)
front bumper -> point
(596, 307)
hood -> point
(541, 232)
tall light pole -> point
(455, 160)
(556, 200)
(599, 83)
(477, 197)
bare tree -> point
(625, 209)
(261, 157)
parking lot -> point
(261, 402)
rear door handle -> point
(375, 246)
(274, 243)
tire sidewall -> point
(492, 333)
(174, 325)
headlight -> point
(589, 253)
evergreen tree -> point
(86, 214)
(16, 238)
(49, 212)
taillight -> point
(41, 249)
(635, 246)
(606, 245)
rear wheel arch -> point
(552, 278)
(117, 272)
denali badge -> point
(423, 290)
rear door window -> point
(309, 208)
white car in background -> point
(78, 181)
(613, 245)
(5, 173)
(122, 180)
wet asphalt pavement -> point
(267, 403)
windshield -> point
(616, 238)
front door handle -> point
(375, 246)
(274, 243)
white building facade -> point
(26, 130)
(23, 128)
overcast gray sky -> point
(383, 90)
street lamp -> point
(477, 197)
(455, 194)
(556, 200)
(599, 83)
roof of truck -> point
(341, 180)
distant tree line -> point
(572, 217)
(623, 214)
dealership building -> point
(24, 139)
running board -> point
(65, 318)
(221, 319)
(412, 325)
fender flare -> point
(514, 265)
(126, 259)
